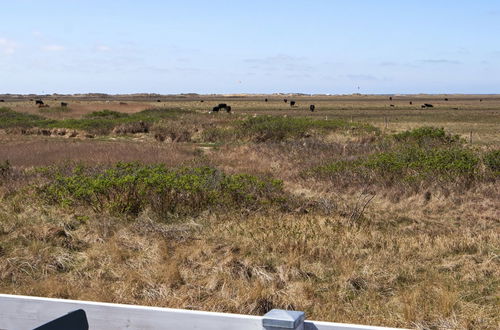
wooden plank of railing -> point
(26, 312)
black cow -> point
(64, 104)
(428, 105)
(158, 100)
(38, 102)
(285, 100)
(201, 101)
(215, 109)
(422, 106)
(292, 103)
(411, 102)
(228, 109)
(392, 105)
(312, 107)
(265, 100)
(222, 105)
(446, 99)
(2, 100)
(390, 98)
(480, 100)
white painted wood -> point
(22, 312)
(318, 325)
(25, 312)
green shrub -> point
(10, 118)
(492, 160)
(106, 114)
(98, 122)
(423, 136)
(273, 128)
(128, 188)
(411, 164)
(5, 168)
(276, 129)
(435, 161)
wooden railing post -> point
(280, 319)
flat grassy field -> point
(367, 210)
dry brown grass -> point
(409, 264)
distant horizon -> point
(248, 94)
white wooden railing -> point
(26, 312)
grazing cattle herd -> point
(312, 107)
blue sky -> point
(218, 46)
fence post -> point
(280, 319)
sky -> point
(253, 46)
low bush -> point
(272, 128)
(411, 165)
(426, 136)
(175, 131)
(5, 168)
(98, 122)
(128, 188)
(492, 160)
(276, 129)
(10, 118)
(106, 114)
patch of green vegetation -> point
(106, 114)
(452, 161)
(99, 122)
(426, 136)
(128, 188)
(272, 128)
(410, 164)
(102, 122)
(492, 160)
(10, 118)
(275, 128)
(5, 168)
(96, 126)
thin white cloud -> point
(280, 62)
(278, 59)
(53, 48)
(388, 63)
(7, 46)
(361, 77)
(102, 48)
(439, 61)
